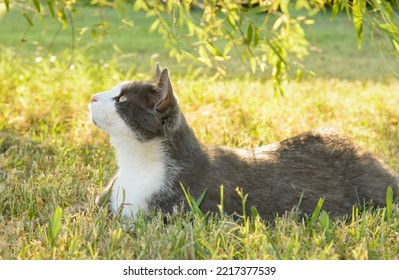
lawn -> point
(53, 161)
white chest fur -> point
(142, 168)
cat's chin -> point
(91, 116)
(95, 123)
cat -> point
(158, 153)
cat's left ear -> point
(167, 97)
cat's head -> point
(144, 110)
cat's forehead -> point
(116, 90)
(131, 89)
(112, 93)
(137, 88)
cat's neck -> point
(133, 155)
(174, 152)
(184, 145)
(142, 173)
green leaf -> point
(140, 5)
(227, 48)
(249, 34)
(299, 74)
(396, 45)
(37, 5)
(63, 17)
(231, 21)
(277, 88)
(258, 9)
(358, 10)
(252, 63)
(204, 58)
(284, 7)
(390, 28)
(336, 8)
(83, 30)
(256, 36)
(7, 2)
(154, 25)
(51, 7)
(212, 49)
(28, 19)
(276, 50)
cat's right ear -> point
(157, 70)
(166, 97)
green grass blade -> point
(316, 213)
(244, 198)
(55, 225)
(188, 197)
(193, 203)
(363, 225)
(324, 220)
(200, 198)
(221, 200)
(325, 223)
(389, 200)
(254, 212)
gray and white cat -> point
(157, 151)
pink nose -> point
(93, 99)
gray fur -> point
(315, 164)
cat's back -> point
(314, 147)
(320, 141)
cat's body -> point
(158, 152)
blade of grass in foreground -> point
(316, 213)
(389, 199)
(55, 225)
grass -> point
(53, 161)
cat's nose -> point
(94, 99)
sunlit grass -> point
(54, 157)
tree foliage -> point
(265, 35)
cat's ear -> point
(167, 97)
(157, 70)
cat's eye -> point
(120, 98)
